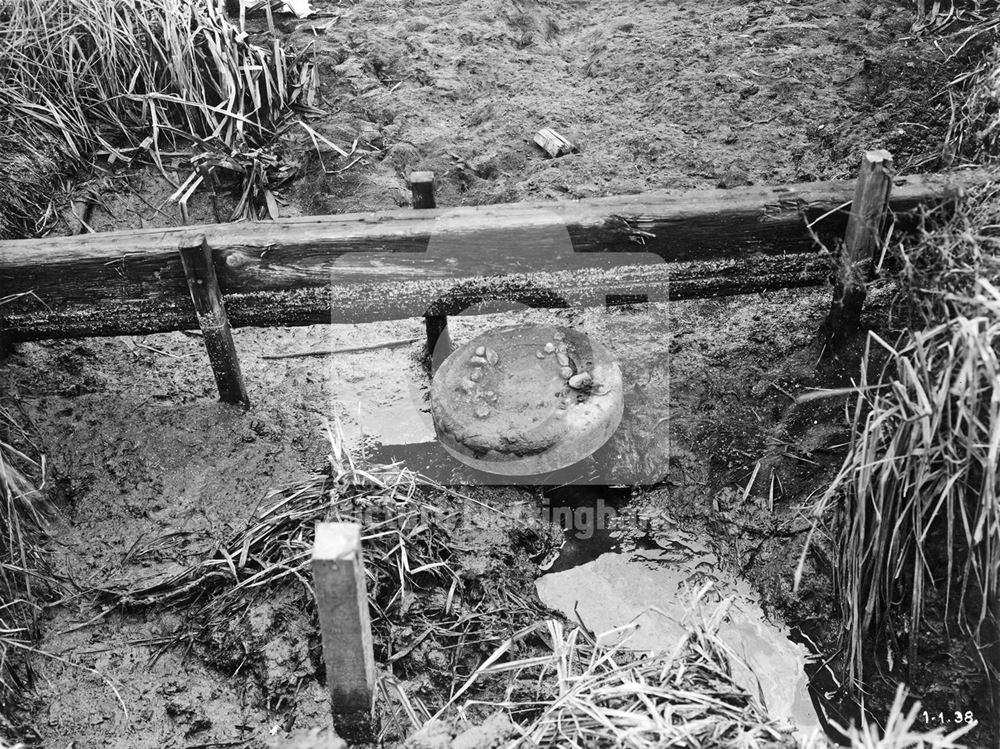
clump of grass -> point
(130, 78)
(584, 694)
(23, 566)
(921, 474)
(957, 245)
(974, 132)
(27, 169)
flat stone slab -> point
(646, 589)
(526, 399)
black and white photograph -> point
(499, 374)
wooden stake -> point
(342, 600)
(196, 257)
(422, 189)
(862, 241)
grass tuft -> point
(582, 694)
(24, 575)
(131, 78)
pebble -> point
(490, 396)
(558, 335)
(549, 347)
(476, 375)
(562, 359)
(482, 412)
(565, 373)
(492, 357)
(481, 351)
(477, 361)
(467, 385)
(580, 381)
(540, 354)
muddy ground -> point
(150, 472)
(668, 95)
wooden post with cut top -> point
(196, 257)
(862, 240)
(422, 189)
(342, 600)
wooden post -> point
(342, 600)
(862, 241)
(422, 189)
(196, 256)
(437, 326)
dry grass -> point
(131, 79)
(580, 694)
(958, 245)
(974, 132)
(23, 566)
(916, 503)
(421, 600)
(915, 507)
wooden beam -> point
(422, 190)
(345, 628)
(390, 263)
(387, 300)
(862, 240)
(196, 258)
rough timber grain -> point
(358, 267)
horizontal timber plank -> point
(361, 303)
(383, 264)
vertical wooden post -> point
(342, 600)
(196, 257)
(422, 189)
(862, 241)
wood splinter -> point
(553, 143)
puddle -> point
(605, 588)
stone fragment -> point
(478, 361)
(580, 381)
(565, 373)
(549, 347)
(482, 412)
(481, 351)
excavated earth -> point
(149, 472)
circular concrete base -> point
(526, 399)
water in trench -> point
(592, 578)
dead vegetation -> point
(150, 79)
(914, 512)
(433, 620)
(24, 572)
